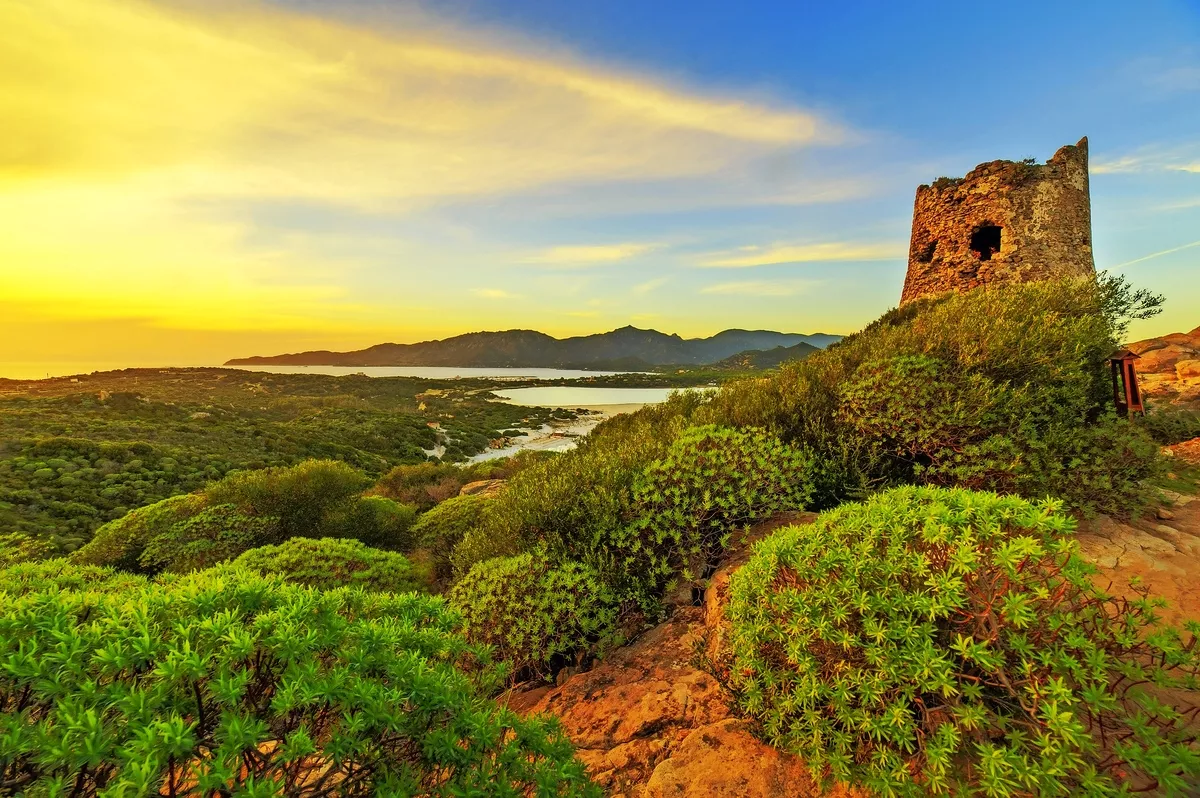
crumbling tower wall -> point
(1004, 222)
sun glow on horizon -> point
(139, 138)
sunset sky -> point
(182, 182)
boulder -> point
(484, 487)
(1187, 369)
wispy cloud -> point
(590, 255)
(263, 101)
(762, 288)
(1153, 255)
(805, 253)
(642, 289)
(493, 293)
(1152, 159)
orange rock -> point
(1187, 369)
(725, 760)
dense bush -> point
(711, 482)
(376, 521)
(570, 501)
(536, 613)
(245, 510)
(1170, 425)
(59, 574)
(16, 548)
(235, 684)
(120, 543)
(213, 535)
(1000, 389)
(934, 641)
(427, 484)
(931, 423)
(443, 528)
(306, 498)
(329, 563)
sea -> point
(543, 396)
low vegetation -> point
(934, 641)
(242, 684)
(536, 613)
(329, 563)
(76, 453)
(934, 632)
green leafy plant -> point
(934, 641)
(329, 563)
(307, 498)
(232, 683)
(120, 543)
(59, 574)
(211, 536)
(971, 388)
(538, 614)
(440, 530)
(1169, 425)
(711, 482)
(16, 547)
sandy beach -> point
(559, 436)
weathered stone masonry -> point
(1004, 222)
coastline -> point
(560, 436)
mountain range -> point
(628, 348)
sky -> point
(186, 181)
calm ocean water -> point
(31, 370)
(571, 396)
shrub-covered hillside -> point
(76, 453)
(934, 632)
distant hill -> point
(766, 358)
(529, 349)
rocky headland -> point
(1169, 367)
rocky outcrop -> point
(484, 487)
(1161, 550)
(1188, 451)
(1169, 367)
(652, 722)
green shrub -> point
(934, 424)
(441, 529)
(60, 574)
(1170, 425)
(120, 543)
(537, 615)
(960, 389)
(376, 521)
(17, 548)
(212, 536)
(570, 501)
(711, 482)
(235, 684)
(308, 498)
(934, 641)
(329, 563)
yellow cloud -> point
(805, 253)
(136, 134)
(493, 293)
(586, 255)
(265, 102)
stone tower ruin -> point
(1004, 222)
